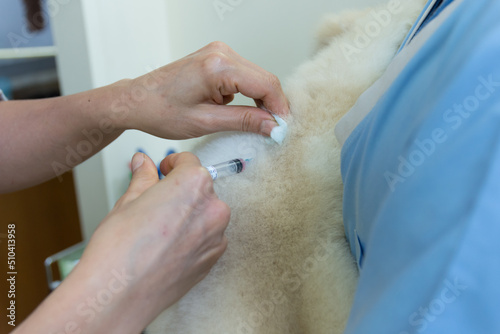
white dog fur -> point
(288, 267)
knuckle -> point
(274, 82)
(224, 242)
(222, 245)
(246, 122)
(215, 62)
(203, 175)
(202, 180)
(218, 45)
(222, 212)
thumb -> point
(144, 175)
(241, 118)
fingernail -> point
(267, 126)
(137, 161)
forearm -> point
(91, 301)
(41, 139)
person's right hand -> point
(165, 234)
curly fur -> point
(288, 267)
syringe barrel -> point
(227, 168)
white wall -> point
(100, 42)
(276, 34)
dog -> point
(288, 268)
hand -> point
(188, 98)
(160, 239)
(165, 234)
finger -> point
(257, 84)
(177, 160)
(243, 61)
(144, 175)
(242, 76)
(217, 118)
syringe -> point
(227, 168)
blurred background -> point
(90, 43)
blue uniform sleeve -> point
(422, 187)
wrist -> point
(113, 106)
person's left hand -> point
(188, 98)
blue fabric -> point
(421, 179)
(438, 8)
(415, 26)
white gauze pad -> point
(278, 133)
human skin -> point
(163, 236)
(185, 99)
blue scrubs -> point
(422, 187)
